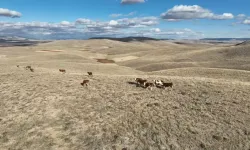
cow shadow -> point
(132, 83)
(160, 87)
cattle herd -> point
(149, 85)
(139, 81)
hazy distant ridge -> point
(127, 39)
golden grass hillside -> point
(208, 107)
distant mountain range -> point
(13, 39)
(128, 39)
(141, 39)
(227, 39)
(6, 41)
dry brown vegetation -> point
(49, 51)
(207, 108)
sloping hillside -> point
(229, 57)
(243, 43)
(53, 111)
(207, 108)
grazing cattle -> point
(140, 81)
(85, 82)
(137, 79)
(167, 85)
(162, 84)
(18, 66)
(90, 73)
(149, 85)
(28, 67)
(31, 69)
(158, 82)
(62, 70)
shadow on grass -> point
(132, 83)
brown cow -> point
(31, 69)
(90, 73)
(149, 85)
(140, 81)
(85, 82)
(62, 70)
(28, 67)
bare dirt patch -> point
(2, 56)
(105, 61)
(127, 58)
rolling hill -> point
(207, 108)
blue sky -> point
(54, 19)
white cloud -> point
(183, 12)
(38, 30)
(132, 1)
(113, 23)
(81, 28)
(155, 30)
(115, 15)
(246, 22)
(44, 30)
(131, 13)
(172, 20)
(241, 19)
(188, 30)
(138, 22)
(84, 28)
(174, 33)
(9, 13)
(241, 16)
(65, 23)
(83, 21)
(224, 16)
(123, 23)
(123, 15)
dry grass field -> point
(207, 108)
